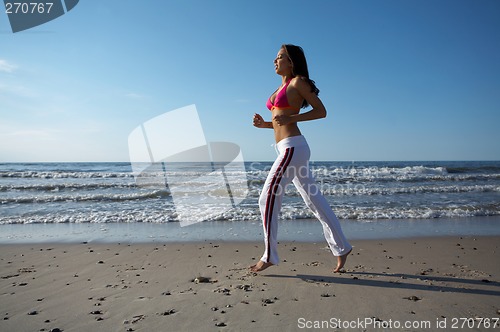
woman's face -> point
(282, 63)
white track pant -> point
(292, 164)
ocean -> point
(360, 193)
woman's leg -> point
(270, 202)
(314, 199)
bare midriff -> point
(289, 130)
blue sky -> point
(401, 80)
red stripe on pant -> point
(271, 195)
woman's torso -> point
(280, 104)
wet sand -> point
(206, 286)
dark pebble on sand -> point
(56, 330)
(220, 324)
(96, 312)
(168, 312)
(200, 280)
(100, 262)
(166, 293)
(33, 312)
(412, 298)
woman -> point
(297, 91)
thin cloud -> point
(30, 133)
(6, 67)
(17, 90)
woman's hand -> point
(259, 122)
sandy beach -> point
(399, 284)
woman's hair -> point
(299, 66)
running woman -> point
(292, 164)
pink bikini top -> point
(280, 101)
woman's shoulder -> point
(300, 81)
(299, 78)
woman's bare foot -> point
(260, 266)
(341, 262)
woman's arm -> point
(318, 109)
(259, 122)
